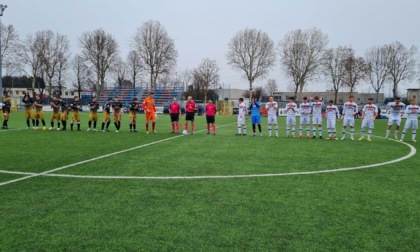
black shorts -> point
(210, 119)
(189, 116)
(174, 117)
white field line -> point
(45, 173)
(412, 153)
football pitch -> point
(95, 191)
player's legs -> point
(397, 128)
(391, 121)
(345, 123)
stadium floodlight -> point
(2, 8)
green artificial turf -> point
(374, 209)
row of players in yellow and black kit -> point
(34, 112)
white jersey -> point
(305, 109)
(332, 112)
(412, 112)
(317, 108)
(271, 108)
(369, 111)
(243, 111)
(349, 109)
(395, 109)
(291, 109)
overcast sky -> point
(203, 28)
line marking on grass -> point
(46, 173)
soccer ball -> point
(185, 132)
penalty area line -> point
(46, 173)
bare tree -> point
(10, 45)
(100, 49)
(259, 93)
(377, 59)
(251, 51)
(81, 72)
(208, 72)
(119, 71)
(134, 66)
(63, 64)
(30, 55)
(356, 69)
(53, 49)
(271, 86)
(301, 55)
(401, 63)
(333, 67)
(156, 49)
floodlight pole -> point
(2, 8)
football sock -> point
(107, 124)
(131, 126)
(253, 127)
(314, 131)
(37, 123)
(287, 131)
(396, 133)
(293, 130)
(329, 132)
(119, 125)
(269, 129)
(186, 126)
(176, 127)
(52, 124)
(214, 128)
(116, 125)
(94, 124)
(64, 124)
(173, 127)
(33, 122)
(320, 131)
(147, 127)
(208, 127)
(308, 130)
(58, 125)
(192, 127)
(369, 132)
(413, 134)
(352, 132)
(134, 126)
(153, 126)
(103, 126)
(335, 133)
(387, 133)
(344, 132)
(259, 128)
(300, 130)
(277, 129)
(239, 129)
(71, 126)
(78, 126)
(363, 132)
(27, 123)
(43, 122)
(245, 129)
(90, 124)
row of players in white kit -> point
(350, 109)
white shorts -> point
(291, 120)
(348, 121)
(331, 123)
(272, 119)
(413, 124)
(368, 123)
(305, 120)
(317, 120)
(241, 121)
(394, 120)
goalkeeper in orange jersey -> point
(150, 110)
